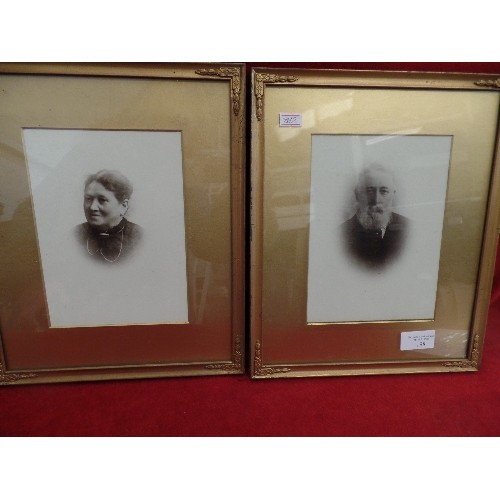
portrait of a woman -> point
(108, 236)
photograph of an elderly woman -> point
(108, 236)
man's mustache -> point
(375, 209)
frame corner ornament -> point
(262, 371)
(260, 80)
(234, 74)
(470, 363)
(11, 378)
(235, 365)
(489, 83)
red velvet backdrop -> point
(451, 404)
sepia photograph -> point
(377, 211)
(109, 212)
(108, 236)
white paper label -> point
(290, 119)
(423, 339)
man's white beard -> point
(374, 218)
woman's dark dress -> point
(113, 246)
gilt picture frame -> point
(122, 224)
(374, 220)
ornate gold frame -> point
(215, 348)
(279, 346)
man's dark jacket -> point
(369, 248)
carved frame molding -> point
(234, 74)
(260, 80)
(489, 83)
(10, 378)
(265, 371)
(236, 365)
(473, 362)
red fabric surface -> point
(448, 404)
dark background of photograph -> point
(448, 404)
